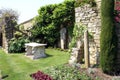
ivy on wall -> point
(79, 3)
(78, 32)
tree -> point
(8, 17)
(108, 41)
(8, 20)
(48, 22)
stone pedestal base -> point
(35, 50)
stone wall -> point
(27, 24)
(90, 16)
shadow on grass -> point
(5, 76)
(48, 55)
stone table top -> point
(33, 44)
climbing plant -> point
(78, 32)
(79, 3)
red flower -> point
(117, 8)
(117, 19)
(40, 76)
(117, 2)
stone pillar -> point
(8, 31)
(63, 37)
(86, 49)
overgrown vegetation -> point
(8, 19)
(8, 16)
(108, 41)
(66, 73)
(79, 3)
(17, 45)
(50, 18)
(78, 33)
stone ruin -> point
(6, 33)
(90, 17)
(77, 55)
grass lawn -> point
(19, 67)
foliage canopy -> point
(47, 23)
(8, 17)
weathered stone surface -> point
(7, 34)
(91, 18)
(35, 50)
(76, 55)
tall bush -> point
(107, 38)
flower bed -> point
(60, 73)
(40, 76)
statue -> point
(63, 36)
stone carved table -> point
(35, 50)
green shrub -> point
(17, 45)
(21, 27)
(108, 41)
(66, 73)
(79, 3)
(17, 34)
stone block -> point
(35, 50)
(76, 14)
(94, 14)
(90, 24)
(77, 20)
(77, 9)
(91, 12)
